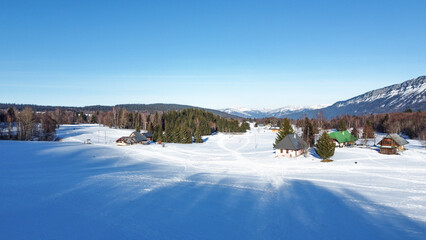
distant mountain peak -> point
(395, 98)
(262, 113)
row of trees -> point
(412, 124)
(26, 125)
(174, 126)
(183, 126)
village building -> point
(274, 129)
(392, 144)
(342, 138)
(291, 146)
(148, 135)
(134, 138)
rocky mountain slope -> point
(395, 98)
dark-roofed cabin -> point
(392, 144)
(138, 137)
(342, 138)
(134, 138)
(148, 135)
(291, 146)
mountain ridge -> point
(150, 108)
(394, 98)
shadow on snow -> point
(194, 208)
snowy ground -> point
(230, 187)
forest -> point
(173, 126)
(186, 125)
(409, 123)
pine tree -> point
(168, 135)
(308, 132)
(341, 126)
(244, 127)
(94, 118)
(185, 135)
(325, 147)
(176, 137)
(284, 131)
(197, 135)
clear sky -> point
(216, 54)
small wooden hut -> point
(392, 144)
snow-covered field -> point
(230, 187)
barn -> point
(392, 144)
(291, 146)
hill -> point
(151, 108)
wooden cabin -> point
(392, 144)
(134, 138)
(148, 135)
(291, 146)
(342, 138)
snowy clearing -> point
(230, 187)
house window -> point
(286, 150)
(281, 151)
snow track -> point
(230, 187)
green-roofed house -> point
(342, 138)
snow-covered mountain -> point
(279, 113)
(395, 98)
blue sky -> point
(216, 54)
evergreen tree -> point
(197, 135)
(150, 127)
(176, 136)
(284, 131)
(185, 135)
(325, 147)
(244, 127)
(94, 118)
(308, 132)
(160, 134)
(168, 135)
(341, 126)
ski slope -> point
(229, 187)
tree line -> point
(26, 125)
(411, 124)
(174, 126)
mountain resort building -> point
(291, 146)
(392, 144)
(342, 138)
